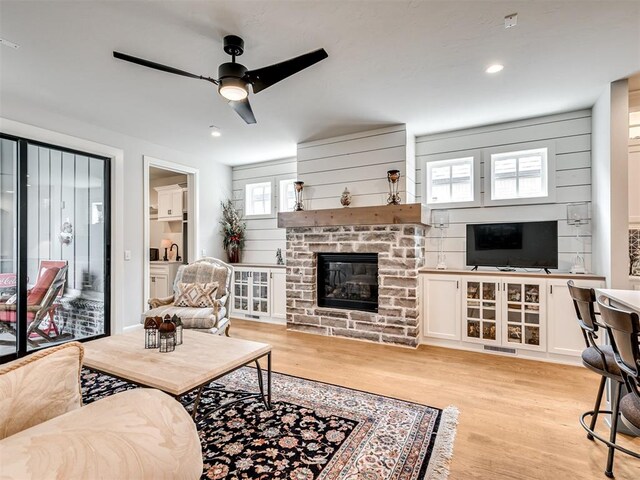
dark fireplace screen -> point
(348, 280)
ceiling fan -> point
(234, 79)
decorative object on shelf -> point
(150, 333)
(66, 233)
(345, 198)
(279, 260)
(233, 231)
(299, 186)
(166, 244)
(177, 321)
(167, 334)
(578, 215)
(393, 177)
(440, 220)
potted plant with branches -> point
(233, 231)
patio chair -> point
(206, 319)
(41, 305)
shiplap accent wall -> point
(358, 162)
(263, 235)
(571, 135)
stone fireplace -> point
(399, 249)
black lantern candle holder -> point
(299, 186)
(177, 321)
(167, 333)
(150, 333)
(393, 177)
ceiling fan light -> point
(233, 92)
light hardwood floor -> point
(518, 418)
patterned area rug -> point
(314, 431)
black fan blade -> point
(262, 78)
(159, 66)
(243, 108)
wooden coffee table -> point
(201, 359)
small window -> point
(521, 174)
(450, 181)
(257, 199)
(287, 195)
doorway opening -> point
(170, 237)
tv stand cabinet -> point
(522, 314)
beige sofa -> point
(45, 432)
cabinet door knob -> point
(169, 212)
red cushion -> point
(39, 290)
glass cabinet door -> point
(241, 280)
(481, 312)
(260, 292)
(524, 314)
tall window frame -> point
(469, 160)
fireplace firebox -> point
(348, 281)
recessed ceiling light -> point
(495, 68)
(215, 131)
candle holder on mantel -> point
(393, 177)
(299, 186)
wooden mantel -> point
(411, 213)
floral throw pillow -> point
(202, 295)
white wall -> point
(610, 189)
(127, 195)
(358, 162)
(263, 235)
(569, 133)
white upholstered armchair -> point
(214, 319)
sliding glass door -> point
(56, 272)
(8, 244)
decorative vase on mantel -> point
(233, 252)
(345, 199)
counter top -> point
(162, 262)
(498, 273)
(626, 298)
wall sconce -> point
(578, 215)
(440, 220)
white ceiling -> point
(415, 62)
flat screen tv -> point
(513, 245)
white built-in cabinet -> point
(170, 203)
(443, 307)
(526, 314)
(162, 275)
(259, 293)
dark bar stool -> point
(624, 333)
(597, 358)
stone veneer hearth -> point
(401, 252)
